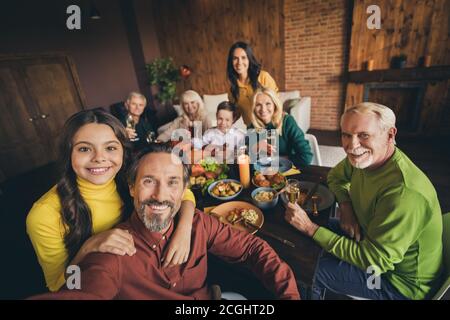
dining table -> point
(304, 257)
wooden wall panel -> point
(199, 33)
(434, 114)
(355, 94)
(38, 93)
(412, 27)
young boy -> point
(225, 137)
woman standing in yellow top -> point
(245, 76)
(77, 215)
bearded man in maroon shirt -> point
(157, 180)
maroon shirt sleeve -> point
(100, 279)
(236, 246)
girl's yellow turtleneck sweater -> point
(46, 229)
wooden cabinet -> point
(37, 95)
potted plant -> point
(163, 74)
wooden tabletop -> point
(303, 258)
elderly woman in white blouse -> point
(193, 110)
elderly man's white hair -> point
(134, 94)
(384, 114)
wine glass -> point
(267, 161)
(272, 141)
(131, 124)
(293, 190)
(151, 136)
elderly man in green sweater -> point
(389, 244)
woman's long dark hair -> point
(254, 68)
(76, 214)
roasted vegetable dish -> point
(275, 181)
(226, 189)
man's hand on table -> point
(299, 219)
(348, 222)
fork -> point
(314, 203)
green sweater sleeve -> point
(388, 236)
(297, 142)
(339, 180)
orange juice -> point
(244, 170)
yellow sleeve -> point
(47, 236)
(267, 81)
(189, 196)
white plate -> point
(326, 196)
(283, 164)
(225, 208)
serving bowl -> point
(226, 183)
(264, 204)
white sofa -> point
(301, 110)
(211, 103)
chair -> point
(444, 293)
(317, 159)
(212, 102)
(301, 108)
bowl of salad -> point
(206, 172)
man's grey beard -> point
(154, 223)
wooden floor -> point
(20, 274)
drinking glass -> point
(244, 167)
(293, 190)
(192, 131)
(131, 125)
(272, 141)
(130, 122)
(151, 136)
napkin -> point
(292, 171)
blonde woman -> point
(267, 113)
(193, 110)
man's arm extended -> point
(100, 278)
(236, 246)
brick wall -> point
(316, 55)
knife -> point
(311, 192)
(270, 234)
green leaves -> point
(211, 165)
(163, 73)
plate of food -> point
(225, 189)
(206, 172)
(236, 213)
(265, 163)
(275, 181)
(324, 197)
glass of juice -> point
(244, 167)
